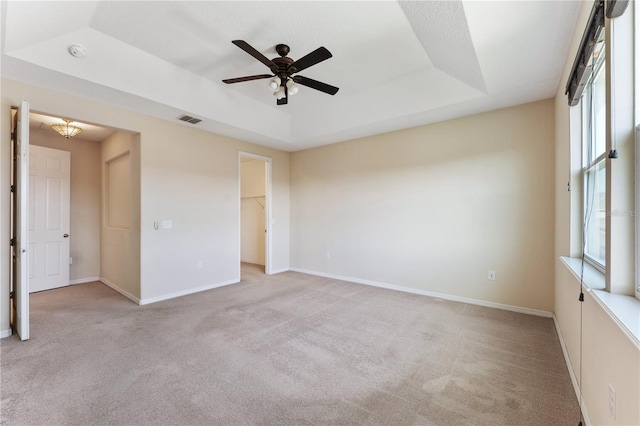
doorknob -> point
(66, 235)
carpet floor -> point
(287, 349)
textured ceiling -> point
(397, 64)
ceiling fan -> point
(283, 68)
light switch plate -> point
(167, 224)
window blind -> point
(584, 62)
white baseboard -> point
(6, 333)
(121, 291)
(186, 292)
(279, 271)
(450, 297)
(84, 280)
(574, 379)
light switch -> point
(167, 224)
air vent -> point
(189, 119)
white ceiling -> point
(397, 64)
(90, 132)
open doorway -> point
(82, 229)
(254, 175)
(104, 231)
(84, 208)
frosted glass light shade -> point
(66, 129)
(292, 88)
(279, 94)
(275, 83)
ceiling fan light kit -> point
(292, 88)
(280, 93)
(282, 68)
(275, 83)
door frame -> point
(267, 210)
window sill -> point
(624, 310)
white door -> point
(20, 261)
(49, 205)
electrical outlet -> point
(200, 264)
(327, 255)
(491, 276)
(612, 402)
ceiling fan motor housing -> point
(283, 69)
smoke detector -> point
(77, 50)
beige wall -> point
(120, 230)
(191, 178)
(186, 175)
(85, 201)
(252, 207)
(436, 207)
(609, 357)
(252, 178)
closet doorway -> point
(254, 175)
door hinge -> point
(13, 188)
(12, 242)
(11, 295)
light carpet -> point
(287, 349)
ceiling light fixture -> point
(292, 88)
(280, 93)
(275, 83)
(66, 129)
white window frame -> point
(636, 35)
(590, 164)
(637, 191)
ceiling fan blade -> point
(318, 55)
(253, 52)
(314, 84)
(247, 78)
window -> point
(636, 23)
(637, 210)
(594, 162)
